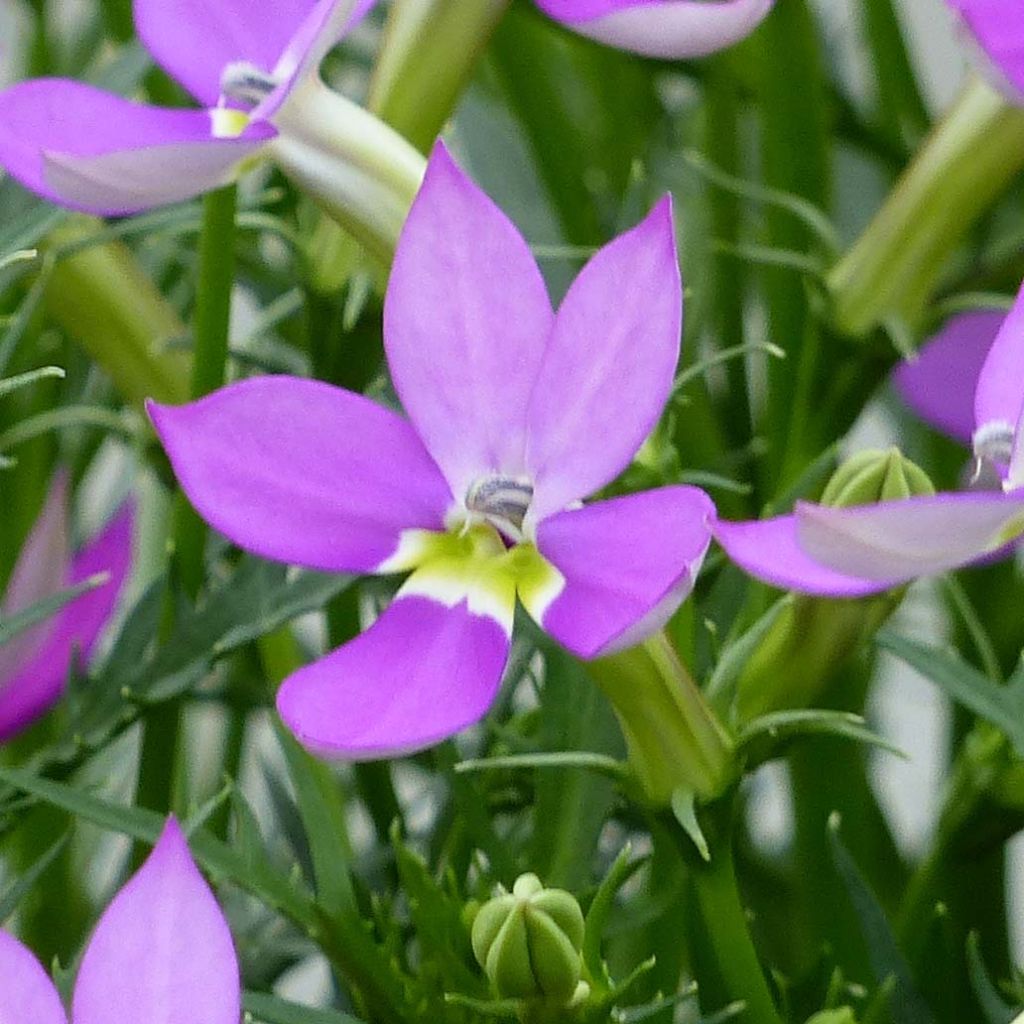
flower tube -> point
(516, 413)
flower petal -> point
(39, 681)
(27, 996)
(939, 384)
(162, 952)
(768, 549)
(999, 397)
(998, 27)
(39, 572)
(87, 149)
(608, 368)
(194, 40)
(300, 471)
(670, 29)
(902, 540)
(466, 320)
(420, 674)
(628, 563)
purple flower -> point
(162, 953)
(997, 26)
(670, 29)
(868, 548)
(34, 666)
(515, 414)
(90, 150)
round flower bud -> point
(875, 475)
(528, 942)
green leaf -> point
(17, 623)
(16, 892)
(993, 1006)
(779, 726)
(1003, 706)
(8, 385)
(684, 809)
(905, 1003)
(271, 1010)
(623, 868)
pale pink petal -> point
(999, 398)
(27, 996)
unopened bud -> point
(874, 475)
(528, 942)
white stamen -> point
(994, 441)
(502, 501)
(246, 83)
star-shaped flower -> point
(516, 413)
(669, 29)
(34, 665)
(162, 953)
(244, 62)
(868, 548)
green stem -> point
(725, 919)
(429, 52)
(964, 166)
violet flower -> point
(162, 953)
(868, 548)
(669, 29)
(34, 666)
(997, 27)
(515, 414)
(244, 62)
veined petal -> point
(87, 149)
(420, 674)
(194, 40)
(998, 27)
(628, 563)
(902, 540)
(300, 471)
(39, 681)
(27, 996)
(669, 29)
(769, 550)
(466, 321)
(162, 952)
(39, 572)
(939, 384)
(1000, 393)
(608, 368)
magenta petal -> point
(768, 549)
(998, 27)
(669, 29)
(39, 572)
(303, 472)
(608, 368)
(421, 673)
(902, 540)
(1000, 392)
(195, 40)
(27, 996)
(466, 321)
(628, 563)
(87, 149)
(939, 384)
(162, 952)
(39, 681)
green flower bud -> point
(876, 475)
(528, 942)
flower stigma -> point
(502, 501)
(245, 83)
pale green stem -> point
(962, 168)
(360, 171)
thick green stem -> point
(429, 52)
(104, 300)
(964, 166)
(358, 170)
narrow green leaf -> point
(271, 1010)
(600, 763)
(779, 726)
(993, 1006)
(12, 625)
(623, 868)
(16, 892)
(11, 384)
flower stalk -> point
(673, 737)
(963, 167)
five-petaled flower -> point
(246, 63)
(868, 548)
(34, 665)
(669, 29)
(162, 951)
(516, 413)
